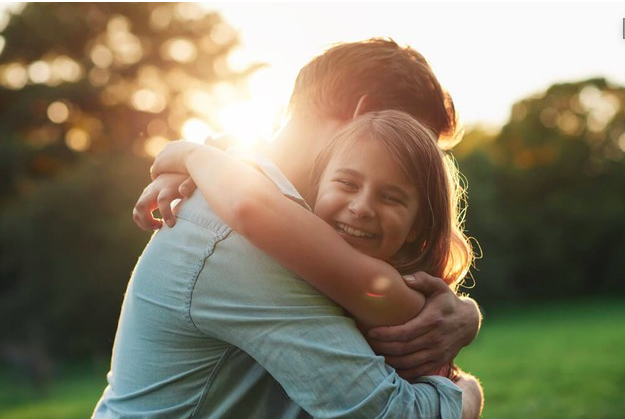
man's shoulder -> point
(271, 171)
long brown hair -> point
(441, 248)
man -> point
(213, 328)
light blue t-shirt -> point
(211, 327)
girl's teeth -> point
(354, 232)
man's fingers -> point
(411, 361)
(425, 284)
(409, 374)
(393, 347)
(386, 348)
(403, 333)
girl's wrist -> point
(191, 156)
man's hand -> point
(163, 190)
(434, 337)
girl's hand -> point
(161, 193)
(172, 159)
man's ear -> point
(361, 106)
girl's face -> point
(367, 198)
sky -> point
(487, 55)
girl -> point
(382, 184)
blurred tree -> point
(68, 251)
(546, 195)
(88, 92)
(99, 77)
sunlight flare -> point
(196, 130)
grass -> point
(553, 361)
(72, 395)
(559, 361)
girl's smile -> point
(367, 198)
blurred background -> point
(90, 92)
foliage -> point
(546, 199)
(101, 77)
(68, 252)
(88, 92)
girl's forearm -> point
(370, 289)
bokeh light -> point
(58, 112)
(188, 11)
(147, 100)
(66, 69)
(14, 76)
(99, 76)
(39, 72)
(155, 144)
(124, 45)
(600, 106)
(78, 139)
(101, 56)
(180, 50)
(160, 18)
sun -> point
(255, 120)
(252, 120)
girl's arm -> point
(368, 288)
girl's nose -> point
(361, 206)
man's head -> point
(372, 75)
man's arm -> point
(435, 336)
(302, 339)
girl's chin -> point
(362, 245)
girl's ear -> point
(360, 106)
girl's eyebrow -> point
(350, 172)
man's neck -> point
(295, 148)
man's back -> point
(162, 364)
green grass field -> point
(556, 361)
(72, 395)
(562, 361)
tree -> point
(87, 92)
(104, 77)
(546, 195)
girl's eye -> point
(347, 183)
(391, 199)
